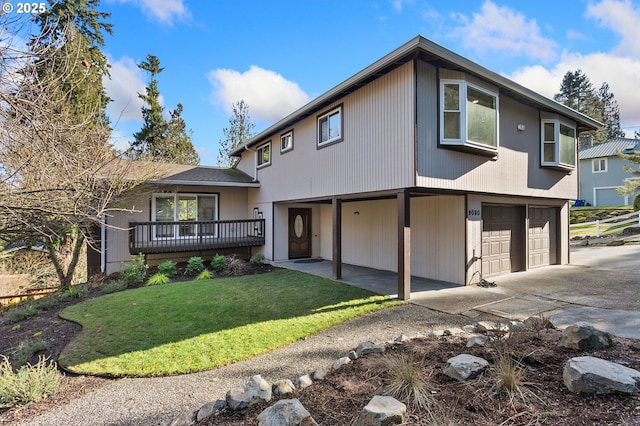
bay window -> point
(558, 144)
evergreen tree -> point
(610, 113)
(631, 186)
(159, 140)
(239, 131)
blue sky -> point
(278, 55)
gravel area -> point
(157, 401)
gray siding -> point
(516, 171)
(599, 188)
(377, 151)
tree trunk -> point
(66, 278)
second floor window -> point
(330, 127)
(599, 165)
(558, 144)
(264, 154)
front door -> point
(299, 233)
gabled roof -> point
(609, 148)
(428, 51)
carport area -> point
(600, 286)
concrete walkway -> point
(601, 286)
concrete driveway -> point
(600, 286)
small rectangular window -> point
(264, 154)
(599, 165)
(330, 127)
(558, 144)
(286, 141)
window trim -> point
(176, 196)
(259, 155)
(290, 146)
(463, 141)
(331, 141)
(557, 163)
(600, 161)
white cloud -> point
(502, 29)
(165, 11)
(268, 94)
(127, 80)
(622, 18)
(623, 83)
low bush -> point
(217, 263)
(195, 265)
(21, 312)
(28, 384)
(27, 349)
(158, 279)
(168, 268)
(114, 286)
(73, 292)
(406, 382)
(257, 259)
(135, 272)
(204, 275)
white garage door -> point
(502, 239)
(542, 236)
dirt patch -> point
(544, 398)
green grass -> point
(199, 325)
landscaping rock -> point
(477, 341)
(436, 333)
(210, 408)
(401, 339)
(282, 387)
(594, 375)
(353, 355)
(340, 362)
(465, 367)
(286, 412)
(381, 411)
(320, 373)
(453, 331)
(367, 348)
(538, 323)
(584, 336)
(254, 391)
(304, 381)
(485, 326)
(185, 419)
(469, 328)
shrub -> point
(636, 203)
(26, 349)
(406, 382)
(29, 383)
(158, 279)
(195, 265)
(257, 259)
(21, 312)
(168, 268)
(135, 272)
(73, 292)
(217, 263)
(508, 375)
(204, 275)
(114, 286)
(235, 266)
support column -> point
(336, 203)
(404, 245)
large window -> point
(468, 116)
(264, 154)
(330, 127)
(558, 144)
(185, 208)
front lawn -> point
(199, 325)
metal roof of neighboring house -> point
(609, 148)
(424, 49)
(183, 174)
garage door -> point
(608, 197)
(502, 239)
(542, 236)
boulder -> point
(283, 386)
(584, 337)
(320, 373)
(304, 381)
(210, 408)
(367, 348)
(286, 412)
(254, 391)
(589, 374)
(382, 411)
(465, 367)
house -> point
(423, 163)
(602, 172)
(186, 211)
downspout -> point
(103, 243)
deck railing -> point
(194, 235)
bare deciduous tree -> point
(58, 173)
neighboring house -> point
(602, 172)
(423, 163)
(190, 211)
